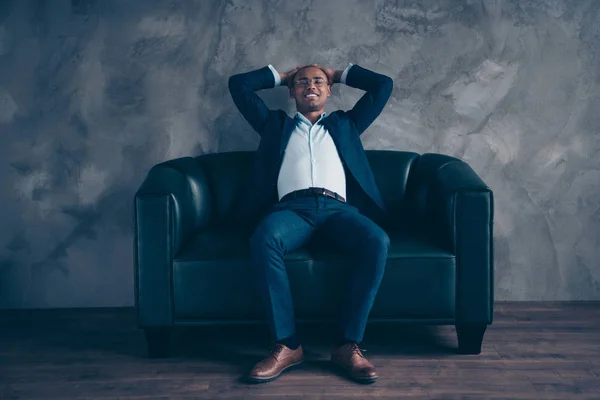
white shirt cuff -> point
(275, 75)
(345, 73)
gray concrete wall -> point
(95, 92)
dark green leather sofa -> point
(191, 261)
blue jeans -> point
(288, 226)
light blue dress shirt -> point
(311, 158)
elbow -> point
(388, 85)
(232, 82)
(235, 83)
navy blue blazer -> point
(345, 128)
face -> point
(310, 89)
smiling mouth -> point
(311, 96)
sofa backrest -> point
(227, 172)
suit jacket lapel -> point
(332, 128)
(288, 128)
(344, 148)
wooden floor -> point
(532, 351)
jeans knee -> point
(385, 240)
(377, 246)
(262, 239)
(379, 241)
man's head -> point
(310, 88)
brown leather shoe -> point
(280, 359)
(350, 358)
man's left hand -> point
(332, 75)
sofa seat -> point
(212, 280)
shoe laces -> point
(356, 349)
(276, 348)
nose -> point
(311, 84)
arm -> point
(455, 208)
(172, 202)
(243, 87)
(369, 106)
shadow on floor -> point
(106, 333)
(235, 344)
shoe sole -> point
(364, 381)
(252, 379)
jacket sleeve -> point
(369, 106)
(243, 87)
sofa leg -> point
(157, 341)
(470, 338)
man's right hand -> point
(286, 76)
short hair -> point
(293, 79)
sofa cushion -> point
(212, 279)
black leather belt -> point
(313, 191)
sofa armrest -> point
(455, 208)
(171, 204)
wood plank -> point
(103, 389)
(532, 351)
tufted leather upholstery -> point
(191, 254)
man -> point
(305, 169)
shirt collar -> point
(302, 118)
